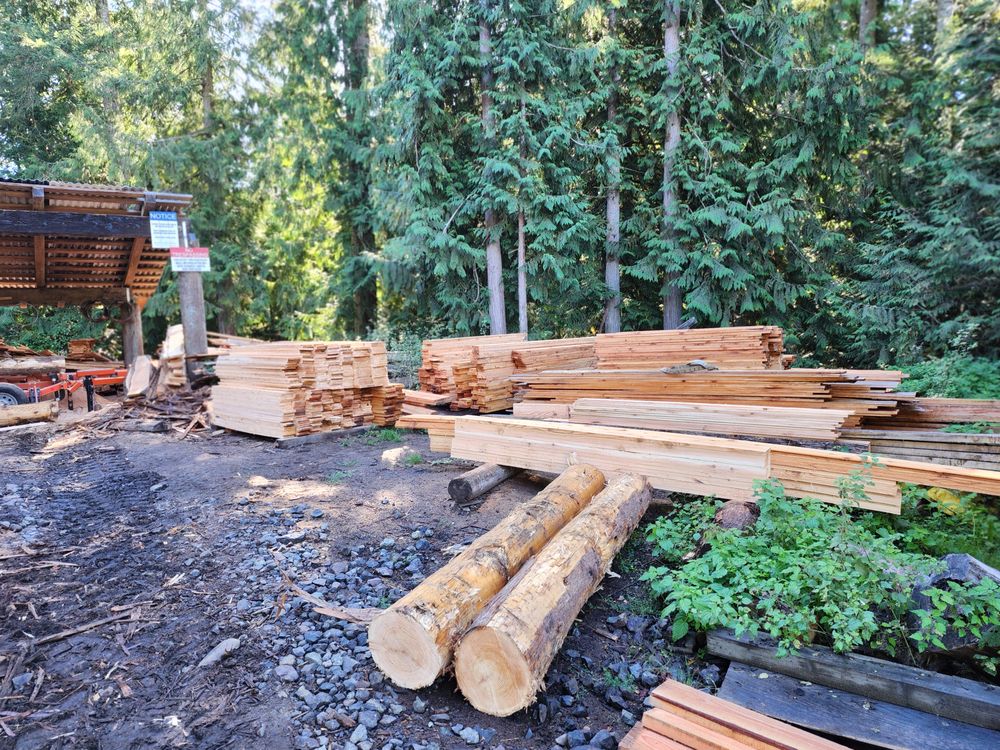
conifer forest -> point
(395, 168)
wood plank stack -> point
(738, 348)
(292, 388)
(683, 717)
(717, 419)
(947, 448)
(438, 357)
(808, 388)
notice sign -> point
(190, 259)
(163, 229)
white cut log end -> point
(494, 676)
(405, 651)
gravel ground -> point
(174, 546)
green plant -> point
(806, 568)
(973, 428)
(336, 477)
(382, 435)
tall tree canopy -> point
(599, 164)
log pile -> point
(502, 660)
(293, 388)
(683, 717)
(738, 348)
(412, 641)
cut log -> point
(501, 661)
(412, 641)
(31, 365)
(26, 413)
(472, 484)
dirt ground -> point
(125, 558)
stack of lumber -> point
(387, 404)
(440, 428)
(294, 388)
(43, 411)
(739, 348)
(717, 419)
(683, 717)
(697, 464)
(973, 451)
(808, 388)
(934, 413)
(438, 357)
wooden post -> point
(131, 333)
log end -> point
(492, 674)
(404, 651)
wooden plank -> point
(72, 224)
(849, 715)
(951, 697)
(135, 255)
(39, 243)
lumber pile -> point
(439, 356)
(502, 660)
(970, 450)
(440, 428)
(42, 411)
(293, 388)
(800, 388)
(738, 348)
(718, 419)
(413, 640)
(683, 717)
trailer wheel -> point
(11, 395)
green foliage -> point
(805, 567)
(955, 377)
(927, 527)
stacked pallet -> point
(717, 419)
(973, 451)
(289, 388)
(739, 348)
(805, 388)
(683, 717)
(438, 357)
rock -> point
(470, 735)
(286, 672)
(216, 654)
(394, 458)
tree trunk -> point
(612, 270)
(43, 411)
(494, 259)
(412, 641)
(945, 11)
(465, 489)
(867, 20)
(364, 290)
(671, 53)
(522, 272)
(501, 661)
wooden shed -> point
(73, 244)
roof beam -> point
(73, 224)
(62, 297)
(39, 260)
(133, 259)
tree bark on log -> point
(43, 411)
(501, 661)
(472, 484)
(39, 366)
(412, 641)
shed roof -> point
(70, 243)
